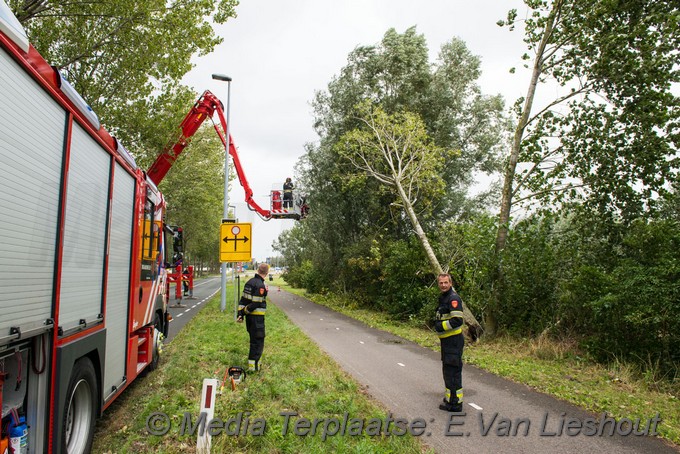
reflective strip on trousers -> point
(459, 395)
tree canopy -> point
(400, 141)
(609, 140)
(126, 58)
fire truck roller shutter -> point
(118, 285)
(85, 224)
(32, 129)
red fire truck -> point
(83, 251)
(85, 259)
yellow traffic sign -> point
(235, 242)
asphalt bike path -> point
(499, 415)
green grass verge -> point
(548, 366)
(296, 377)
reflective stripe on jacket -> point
(254, 298)
(450, 312)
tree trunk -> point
(473, 325)
(508, 179)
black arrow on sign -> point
(236, 239)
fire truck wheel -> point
(80, 413)
(157, 343)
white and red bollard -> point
(208, 396)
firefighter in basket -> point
(288, 193)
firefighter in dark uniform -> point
(449, 326)
(288, 193)
(252, 307)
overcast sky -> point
(279, 53)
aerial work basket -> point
(276, 200)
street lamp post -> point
(225, 213)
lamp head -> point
(222, 77)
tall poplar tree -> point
(609, 140)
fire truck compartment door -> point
(32, 129)
(85, 219)
(118, 283)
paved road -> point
(183, 310)
(407, 380)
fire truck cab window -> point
(151, 232)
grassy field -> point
(555, 368)
(296, 378)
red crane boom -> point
(204, 108)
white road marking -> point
(475, 406)
(203, 283)
(200, 302)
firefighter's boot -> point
(456, 406)
(253, 365)
(449, 406)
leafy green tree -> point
(194, 190)
(611, 137)
(670, 204)
(125, 57)
(609, 140)
(398, 75)
(467, 249)
(623, 293)
(348, 209)
(407, 290)
(291, 244)
(396, 151)
(631, 139)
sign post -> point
(225, 212)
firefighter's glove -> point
(439, 326)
